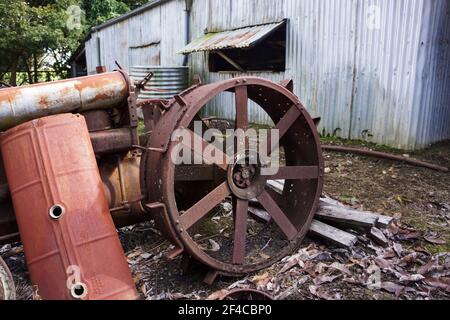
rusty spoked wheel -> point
(205, 206)
(7, 288)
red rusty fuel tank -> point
(70, 242)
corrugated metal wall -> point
(376, 70)
(157, 32)
(430, 117)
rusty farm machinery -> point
(75, 167)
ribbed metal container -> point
(165, 83)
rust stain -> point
(43, 102)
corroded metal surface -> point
(20, 104)
(120, 177)
(112, 141)
(292, 211)
(245, 294)
(238, 38)
(70, 241)
(98, 120)
(165, 82)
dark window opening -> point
(267, 55)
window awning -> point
(232, 39)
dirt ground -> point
(418, 198)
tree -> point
(31, 29)
(35, 32)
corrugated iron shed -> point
(375, 70)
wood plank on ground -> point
(330, 233)
(339, 209)
(346, 216)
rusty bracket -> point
(132, 105)
(288, 84)
(141, 85)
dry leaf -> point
(320, 292)
(411, 278)
(392, 288)
(434, 239)
(441, 283)
(218, 295)
(214, 246)
(398, 248)
(340, 267)
(289, 264)
(264, 256)
(325, 279)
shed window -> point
(253, 48)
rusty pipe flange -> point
(239, 245)
(7, 288)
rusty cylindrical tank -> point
(20, 104)
(70, 242)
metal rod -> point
(384, 155)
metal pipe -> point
(384, 155)
(102, 91)
(187, 26)
(112, 141)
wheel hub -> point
(244, 176)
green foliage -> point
(34, 29)
(99, 11)
(35, 32)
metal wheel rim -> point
(168, 169)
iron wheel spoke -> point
(216, 157)
(198, 211)
(240, 230)
(241, 95)
(278, 215)
(283, 126)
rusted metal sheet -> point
(232, 39)
(120, 177)
(20, 104)
(121, 182)
(70, 242)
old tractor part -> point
(246, 294)
(103, 91)
(384, 155)
(7, 288)
(70, 241)
(189, 202)
(120, 177)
